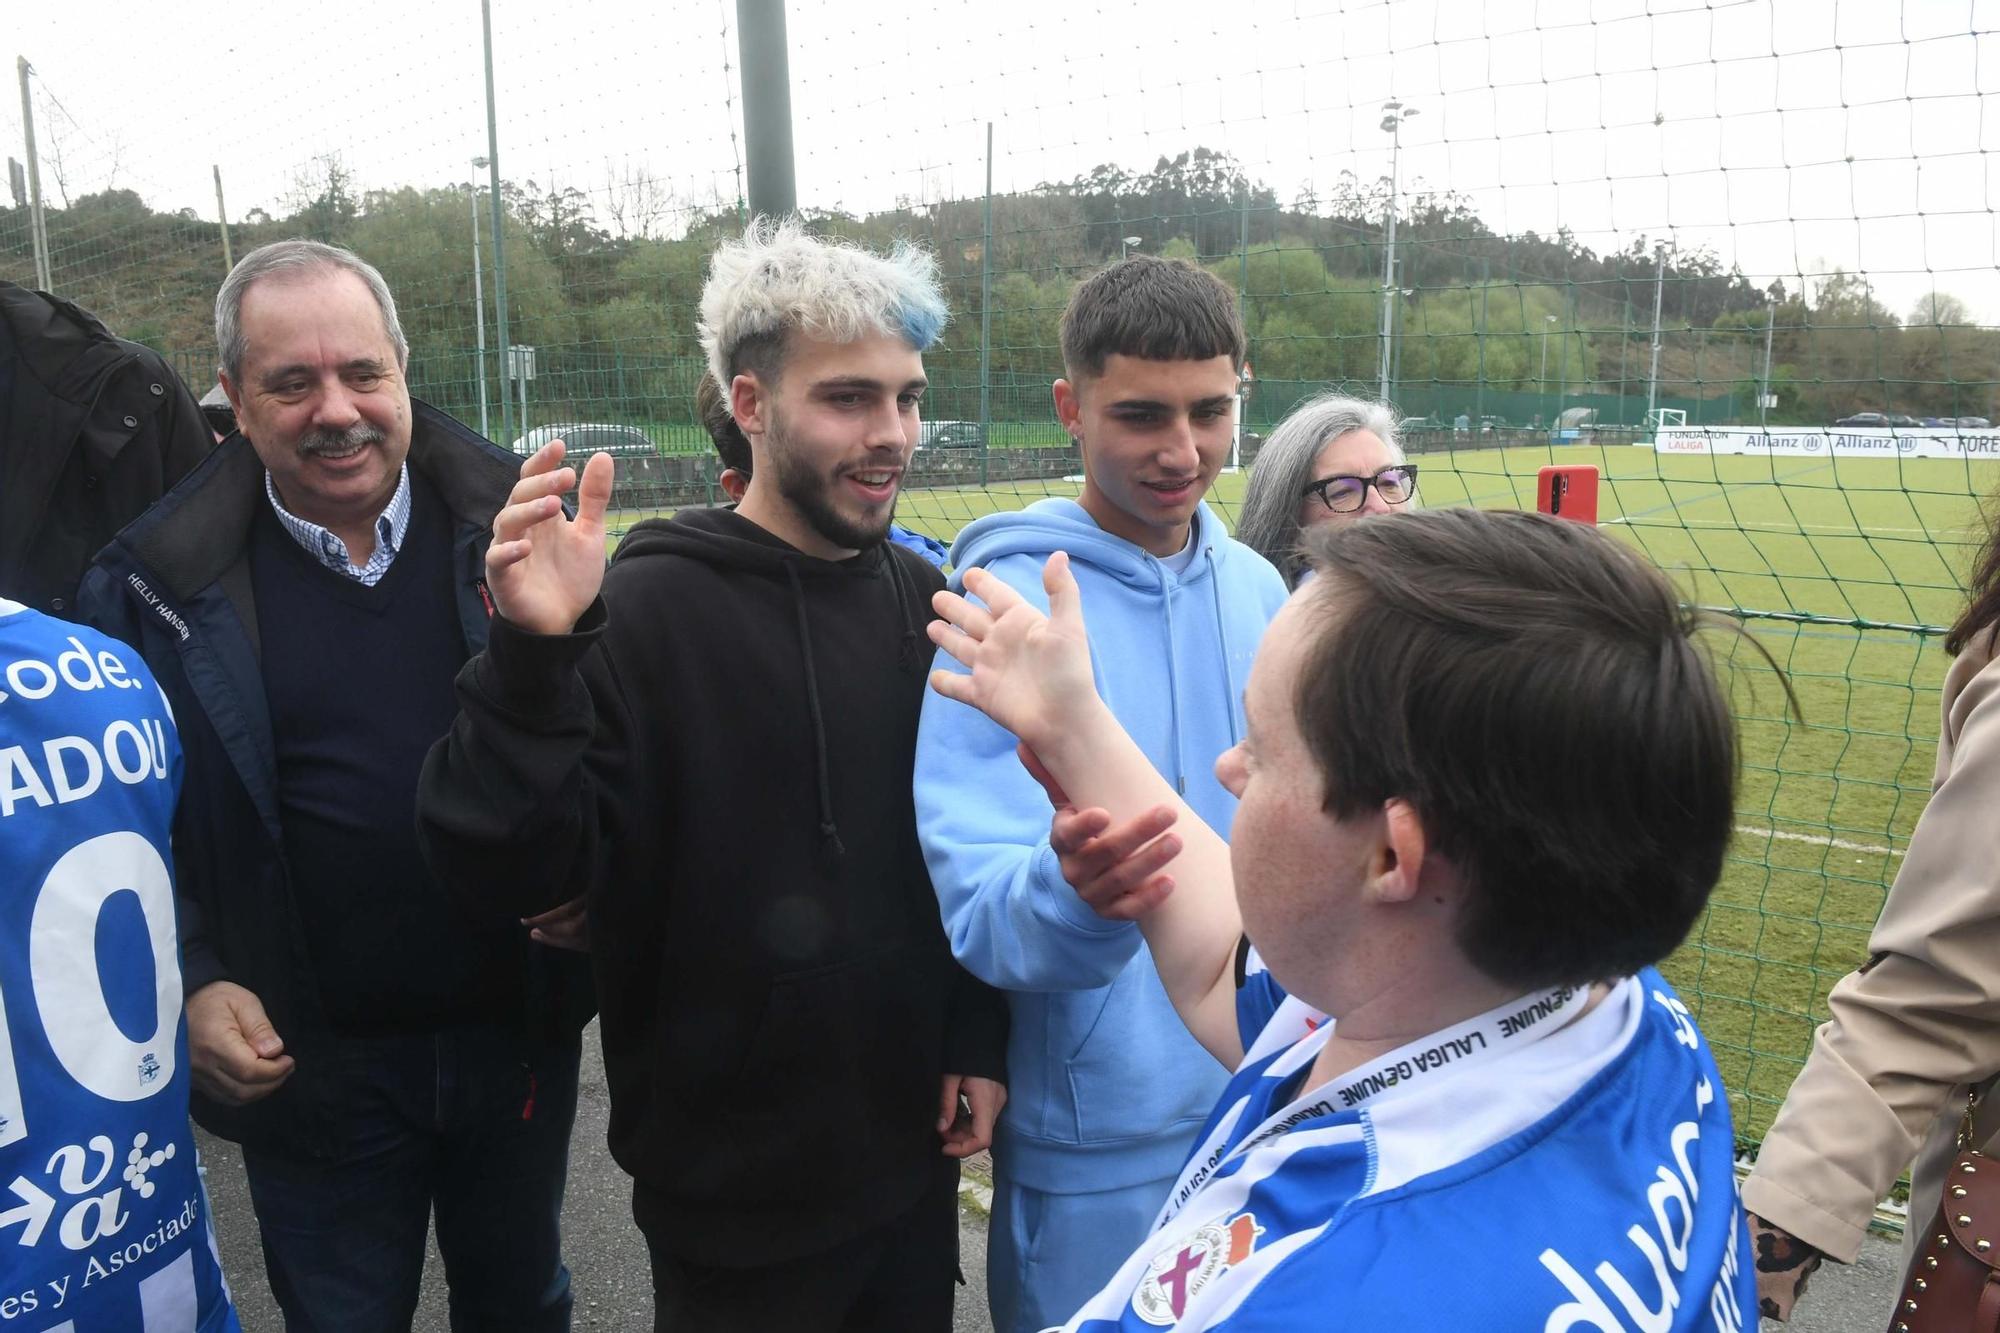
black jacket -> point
(92, 430)
(724, 750)
(176, 585)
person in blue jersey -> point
(1487, 785)
(1108, 1088)
(106, 1227)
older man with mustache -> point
(306, 598)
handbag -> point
(1953, 1285)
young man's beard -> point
(809, 493)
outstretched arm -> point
(1031, 674)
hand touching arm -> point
(1031, 674)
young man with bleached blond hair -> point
(713, 740)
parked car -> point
(583, 438)
(1865, 420)
(1968, 423)
(1901, 422)
(952, 435)
(1411, 424)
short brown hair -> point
(1534, 690)
(716, 419)
(1152, 308)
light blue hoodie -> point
(1105, 1086)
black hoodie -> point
(721, 754)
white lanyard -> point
(1511, 1027)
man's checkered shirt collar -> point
(390, 527)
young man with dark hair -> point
(1108, 1089)
(731, 446)
(1488, 784)
(796, 1064)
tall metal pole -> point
(1764, 398)
(1242, 308)
(1393, 124)
(986, 312)
(478, 294)
(1543, 377)
(37, 229)
(767, 107)
(1624, 346)
(1562, 360)
(1653, 375)
(499, 236)
(1479, 390)
(222, 216)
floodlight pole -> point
(1242, 313)
(479, 295)
(1392, 121)
(1764, 398)
(37, 228)
(1659, 294)
(767, 107)
(222, 216)
(986, 315)
(499, 235)
(1479, 390)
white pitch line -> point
(1773, 529)
(1814, 838)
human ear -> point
(747, 405)
(1069, 408)
(232, 391)
(1397, 864)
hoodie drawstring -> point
(1173, 681)
(1222, 637)
(905, 593)
(829, 832)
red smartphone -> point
(1568, 491)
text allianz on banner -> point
(1871, 443)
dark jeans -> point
(898, 1278)
(457, 1121)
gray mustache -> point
(320, 441)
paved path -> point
(607, 1260)
(613, 1291)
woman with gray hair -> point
(1333, 459)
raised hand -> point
(1029, 672)
(543, 569)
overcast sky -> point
(1788, 137)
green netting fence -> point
(1725, 216)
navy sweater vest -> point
(359, 682)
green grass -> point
(1866, 545)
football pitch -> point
(1841, 569)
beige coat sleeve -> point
(1916, 1023)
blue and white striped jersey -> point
(103, 1224)
(1529, 1169)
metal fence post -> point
(37, 227)
(767, 107)
(499, 215)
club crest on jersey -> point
(1191, 1263)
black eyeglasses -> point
(1396, 484)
